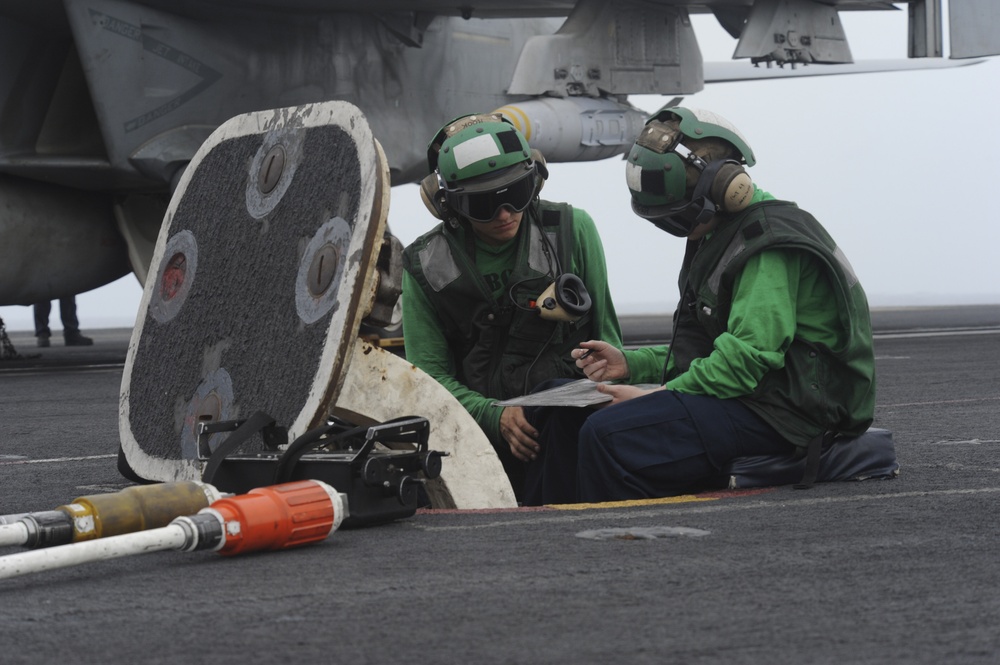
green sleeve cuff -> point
(645, 365)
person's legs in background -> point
(42, 331)
(71, 324)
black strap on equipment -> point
(813, 452)
(309, 440)
(406, 429)
(258, 422)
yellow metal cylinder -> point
(137, 508)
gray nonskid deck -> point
(901, 571)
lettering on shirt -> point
(496, 282)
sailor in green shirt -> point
(476, 314)
(772, 344)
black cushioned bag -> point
(871, 455)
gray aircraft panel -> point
(470, 8)
(114, 96)
(974, 28)
(721, 72)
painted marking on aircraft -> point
(161, 50)
(558, 517)
(56, 460)
(519, 118)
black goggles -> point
(484, 206)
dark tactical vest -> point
(819, 389)
(501, 350)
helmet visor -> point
(679, 218)
(483, 205)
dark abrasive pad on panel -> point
(254, 294)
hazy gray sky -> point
(899, 167)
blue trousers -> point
(67, 313)
(661, 444)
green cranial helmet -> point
(476, 145)
(484, 163)
(673, 162)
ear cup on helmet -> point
(565, 299)
(732, 187)
(541, 169)
(430, 194)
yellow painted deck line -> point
(632, 503)
(791, 501)
(684, 498)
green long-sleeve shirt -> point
(779, 294)
(428, 349)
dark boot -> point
(76, 339)
(43, 341)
